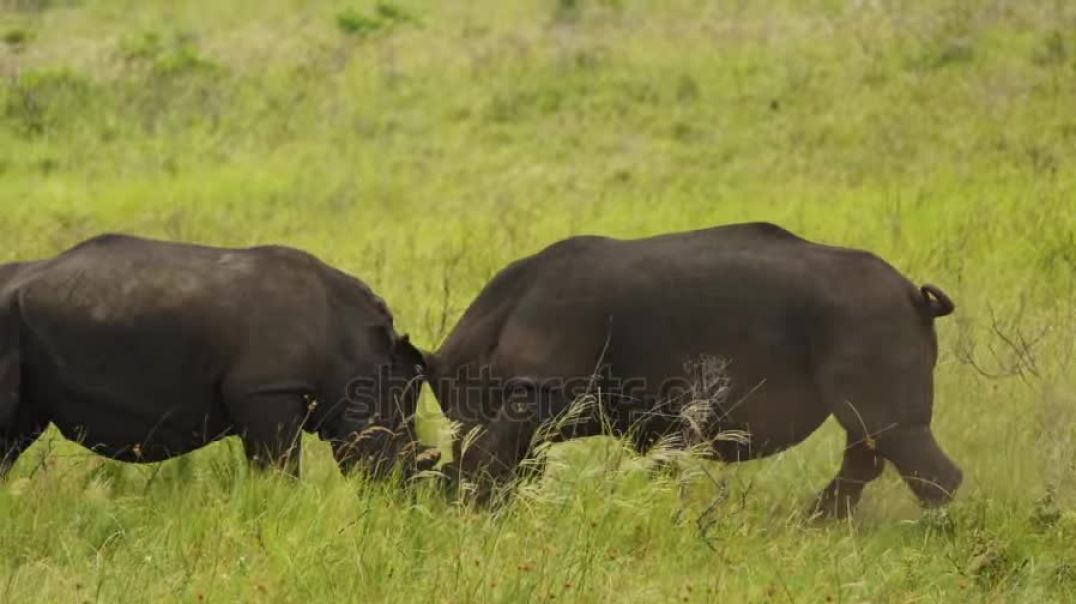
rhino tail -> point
(937, 303)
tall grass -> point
(422, 145)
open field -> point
(422, 145)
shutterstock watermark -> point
(476, 395)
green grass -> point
(422, 145)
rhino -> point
(143, 350)
(775, 332)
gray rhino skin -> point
(795, 331)
(143, 350)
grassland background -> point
(424, 145)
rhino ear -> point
(400, 349)
(407, 353)
(10, 369)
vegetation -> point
(422, 145)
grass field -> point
(421, 145)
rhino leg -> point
(860, 466)
(492, 459)
(270, 424)
(925, 468)
(532, 466)
(885, 400)
(16, 439)
(505, 449)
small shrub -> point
(393, 14)
(183, 59)
(354, 23)
(687, 89)
(950, 41)
(1052, 52)
(36, 101)
(567, 10)
(993, 562)
(1045, 515)
(166, 56)
(386, 16)
(37, 6)
(141, 48)
(955, 51)
(17, 39)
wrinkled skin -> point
(143, 350)
(794, 331)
